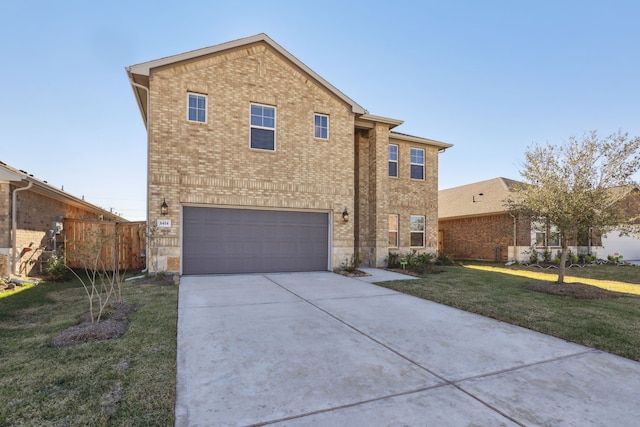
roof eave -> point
(419, 140)
(477, 215)
(368, 121)
(8, 174)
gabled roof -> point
(139, 74)
(477, 199)
(13, 175)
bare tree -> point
(102, 280)
(573, 186)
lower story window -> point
(545, 234)
(393, 231)
(417, 231)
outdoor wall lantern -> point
(345, 215)
(164, 207)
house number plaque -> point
(164, 223)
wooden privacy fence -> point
(121, 245)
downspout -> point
(146, 125)
(14, 227)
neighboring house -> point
(626, 245)
(257, 164)
(32, 214)
(474, 223)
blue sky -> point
(491, 77)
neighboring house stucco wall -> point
(626, 245)
(212, 164)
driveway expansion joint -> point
(444, 381)
(487, 371)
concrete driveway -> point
(321, 349)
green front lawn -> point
(130, 381)
(127, 381)
(609, 324)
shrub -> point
(55, 269)
(352, 263)
(393, 260)
(443, 259)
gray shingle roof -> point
(480, 198)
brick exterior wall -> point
(372, 209)
(212, 164)
(491, 237)
(484, 237)
(379, 195)
(35, 214)
(5, 216)
(415, 197)
(5, 229)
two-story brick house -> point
(257, 164)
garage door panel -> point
(249, 241)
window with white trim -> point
(321, 126)
(263, 127)
(545, 234)
(393, 160)
(417, 163)
(417, 231)
(196, 107)
(393, 230)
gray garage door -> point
(218, 241)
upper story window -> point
(197, 108)
(393, 230)
(263, 127)
(321, 126)
(393, 160)
(417, 163)
(417, 231)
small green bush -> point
(352, 263)
(393, 260)
(55, 269)
(444, 259)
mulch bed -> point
(575, 290)
(352, 273)
(114, 325)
